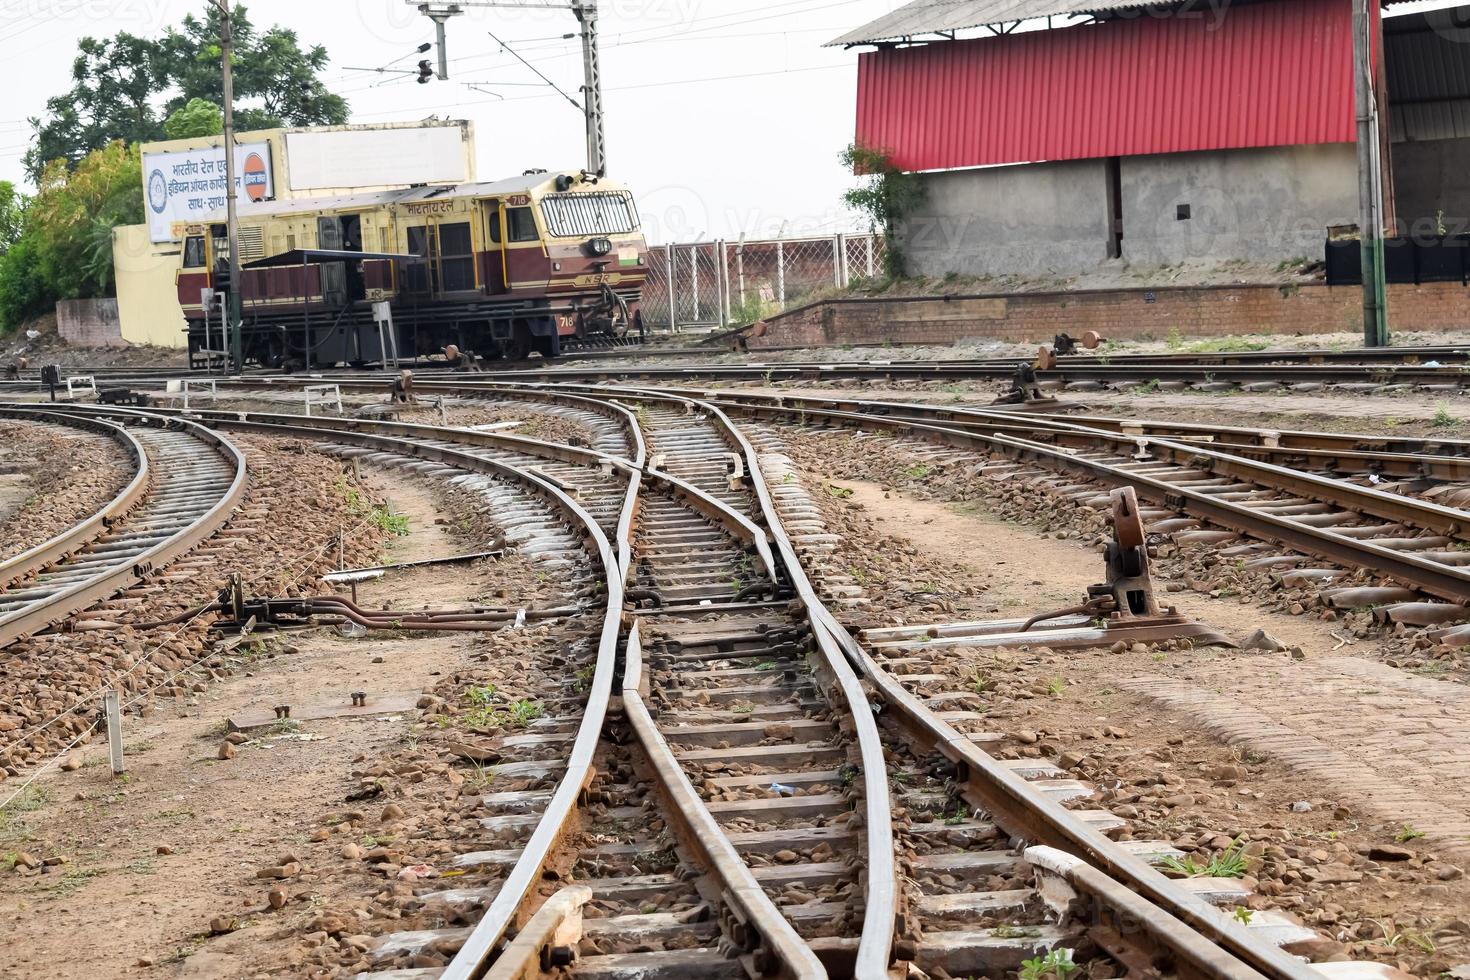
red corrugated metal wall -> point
(1267, 74)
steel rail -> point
(1191, 930)
(880, 882)
(1445, 581)
(72, 539)
(1082, 369)
(758, 922)
(52, 609)
(1296, 449)
(480, 948)
(787, 957)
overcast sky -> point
(724, 116)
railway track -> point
(188, 481)
(1432, 368)
(747, 704)
(726, 781)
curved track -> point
(692, 513)
(187, 484)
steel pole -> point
(586, 11)
(237, 356)
(1370, 181)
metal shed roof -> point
(922, 17)
(943, 16)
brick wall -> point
(1119, 314)
(89, 322)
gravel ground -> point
(1373, 887)
(52, 477)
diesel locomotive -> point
(534, 263)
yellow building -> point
(185, 178)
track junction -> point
(763, 788)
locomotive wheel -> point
(518, 347)
(1127, 525)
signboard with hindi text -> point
(182, 187)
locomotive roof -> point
(521, 184)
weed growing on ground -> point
(918, 471)
(841, 493)
(1407, 833)
(1056, 686)
(1229, 863)
(1442, 418)
(1056, 964)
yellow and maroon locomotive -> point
(505, 268)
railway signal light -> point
(426, 72)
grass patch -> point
(1229, 863)
(1407, 833)
(1055, 965)
(918, 471)
(1442, 419)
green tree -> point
(119, 83)
(886, 194)
(198, 117)
(12, 215)
(74, 212)
(115, 82)
(271, 69)
(64, 250)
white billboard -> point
(376, 157)
(181, 187)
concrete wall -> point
(147, 294)
(1035, 318)
(1261, 205)
(1039, 219)
(1428, 177)
(1030, 220)
(89, 322)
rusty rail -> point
(33, 617)
(75, 537)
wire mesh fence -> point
(723, 283)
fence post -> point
(670, 271)
(870, 255)
(740, 267)
(694, 278)
(724, 280)
(837, 260)
(113, 712)
(781, 273)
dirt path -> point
(151, 859)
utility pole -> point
(1370, 180)
(586, 13)
(232, 224)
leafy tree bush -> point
(885, 196)
(119, 84)
(65, 249)
(197, 117)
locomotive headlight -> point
(599, 246)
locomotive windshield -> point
(580, 215)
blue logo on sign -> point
(157, 192)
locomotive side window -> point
(580, 215)
(522, 225)
(194, 252)
(418, 272)
(495, 226)
(456, 257)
